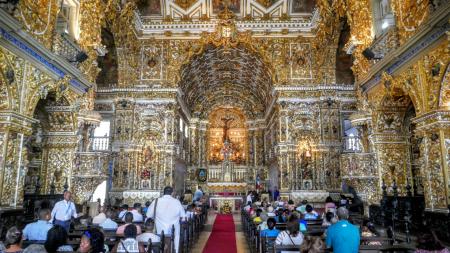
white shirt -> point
(64, 211)
(168, 212)
(100, 218)
(249, 198)
(146, 236)
(284, 238)
(109, 224)
(137, 217)
(122, 214)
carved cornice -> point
(16, 122)
(438, 119)
(389, 138)
(431, 32)
(19, 42)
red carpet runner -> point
(223, 236)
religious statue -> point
(226, 127)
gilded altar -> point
(226, 204)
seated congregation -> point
(138, 229)
(282, 226)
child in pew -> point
(129, 244)
(292, 234)
(257, 219)
(271, 231)
(144, 237)
(310, 214)
(93, 241)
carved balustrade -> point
(64, 46)
(384, 44)
(99, 144)
(351, 144)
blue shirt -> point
(37, 231)
(270, 232)
(343, 237)
(109, 224)
(303, 225)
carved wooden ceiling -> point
(189, 18)
(226, 76)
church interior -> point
(272, 102)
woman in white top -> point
(292, 234)
(130, 244)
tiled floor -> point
(204, 235)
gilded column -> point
(433, 128)
(14, 129)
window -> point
(101, 136)
(383, 18)
(103, 129)
(67, 21)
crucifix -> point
(226, 126)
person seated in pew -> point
(330, 206)
(129, 244)
(329, 219)
(35, 248)
(292, 234)
(109, 224)
(270, 212)
(343, 237)
(136, 211)
(92, 241)
(257, 219)
(37, 231)
(101, 217)
(145, 209)
(427, 242)
(281, 216)
(291, 205)
(190, 212)
(57, 240)
(13, 241)
(128, 221)
(303, 225)
(144, 237)
(312, 244)
(302, 207)
(248, 206)
(368, 230)
(123, 211)
(271, 231)
(310, 214)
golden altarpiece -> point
(295, 94)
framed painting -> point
(303, 6)
(233, 5)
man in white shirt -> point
(250, 197)
(101, 217)
(137, 216)
(169, 211)
(123, 212)
(63, 211)
(109, 224)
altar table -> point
(217, 202)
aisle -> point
(223, 236)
